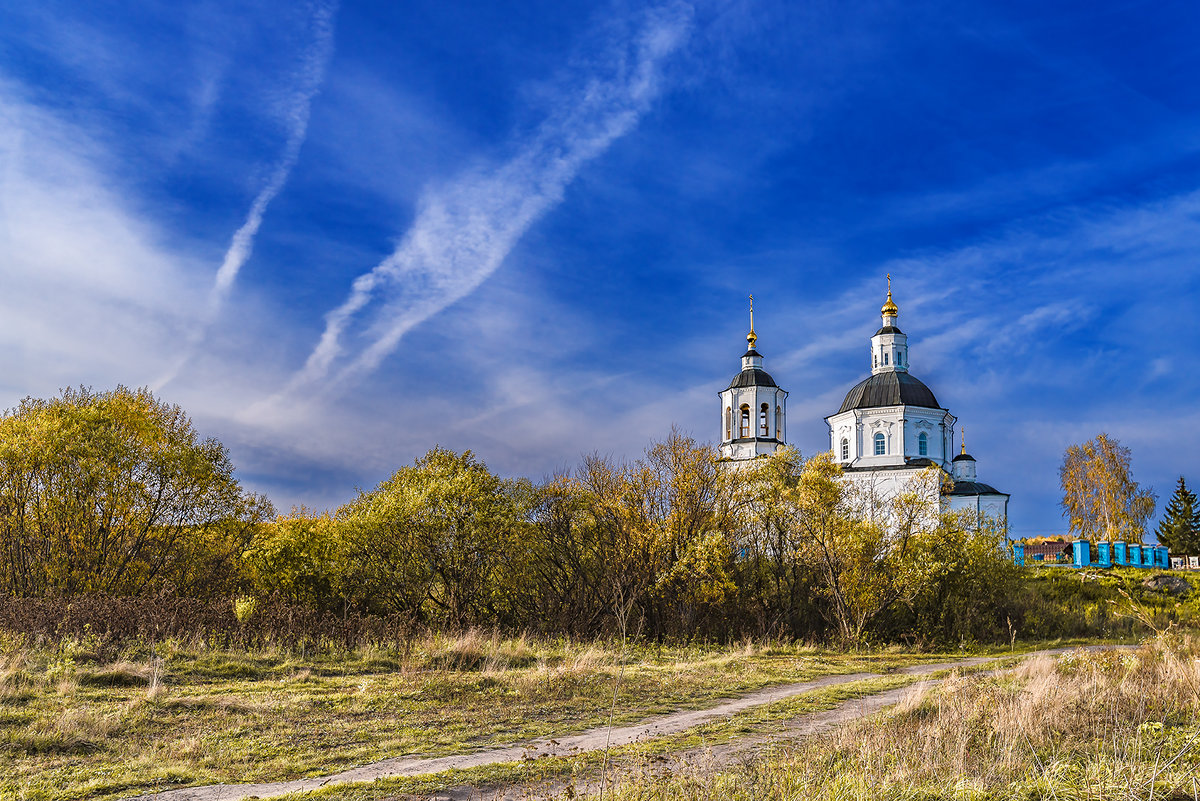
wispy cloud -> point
(93, 290)
(466, 227)
(297, 113)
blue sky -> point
(341, 234)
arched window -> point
(779, 423)
(923, 444)
(744, 428)
(764, 423)
(845, 449)
(728, 422)
(880, 444)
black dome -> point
(892, 388)
(964, 457)
(752, 377)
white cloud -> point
(96, 293)
(298, 109)
(92, 291)
(465, 227)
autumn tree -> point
(682, 497)
(1179, 529)
(963, 581)
(116, 492)
(1100, 498)
(776, 579)
(840, 543)
(867, 542)
(568, 561)
(433, 540)
(303, 557)
(663, 527)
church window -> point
(885, 358)
(880, 444)
(744, 428)
(728, 422)
(845, 449)
(923, 444)
(876, 360)
(778, 422)
(763, 422)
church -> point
(890, 427)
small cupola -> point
(963, 466)
(889, 346)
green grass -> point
(1095, 602)
(79, 723)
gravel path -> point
(591, 740)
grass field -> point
(1107, 726)
(81, 718)
(77, 721)
(1112, 725)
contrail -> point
(465, 228)
(311, 76)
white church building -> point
(889, 428)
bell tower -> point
(753, 411)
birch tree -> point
(1101, 501)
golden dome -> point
(889, 307)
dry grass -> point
(1043, 720)
(1090, 725)
(121, 673)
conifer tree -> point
(1179, 529)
